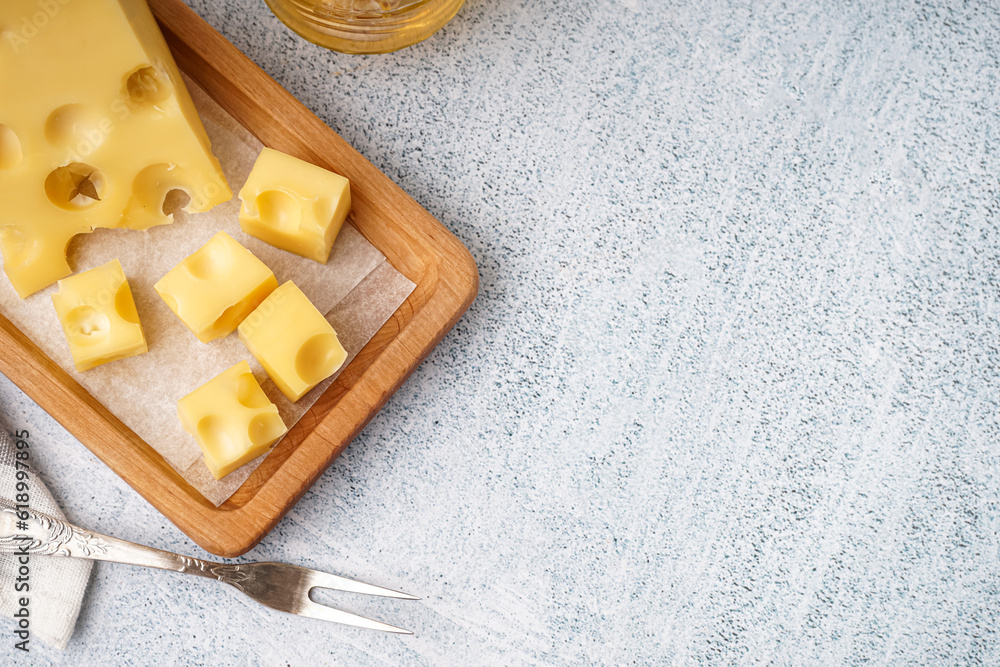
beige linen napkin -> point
(56, 584)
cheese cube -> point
(216, 287)
(294, 205)
(96, 128)
(292, 341)
(98, 316)
(232, 419)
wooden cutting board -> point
(413, 241)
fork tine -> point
(334, 582)
(322, 612)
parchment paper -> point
(358, 289)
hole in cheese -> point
(169, 300)
(249, 393)
(76, 128)
(125, 304)
(212, 260)
(86, 325)
(265, 428)
(318, 358)
(11, 152)
(145, 88)
(75, 186)
(158, 191)
(175, 200)
(214, 436)
(279, 210)
(230, 318)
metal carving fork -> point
(276, 585)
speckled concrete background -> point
(729, 393)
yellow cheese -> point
(96, 128)
(294, 205)
(292, 341)
(232, 419)
(98, 315)
(216, 287)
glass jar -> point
(365, 26)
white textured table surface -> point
(729, 392)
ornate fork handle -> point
(279, 586)
(33, 533)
